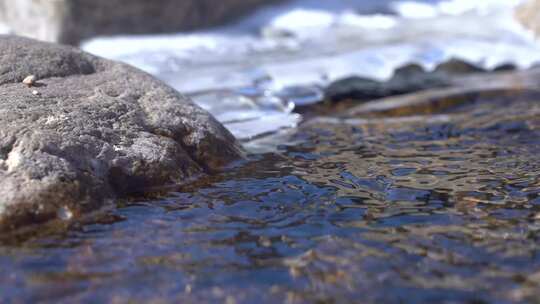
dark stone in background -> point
(409, 78)
(406, 79)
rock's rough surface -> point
(96, 130)
(69, 21)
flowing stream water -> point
(435, 208)
(438, 209)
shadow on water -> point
(422, 210)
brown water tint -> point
(436, 209)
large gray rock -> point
(70, 21)
(91, 130)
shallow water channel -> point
(443, 208)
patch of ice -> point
(265, 124)
(4, 29)
(483, 7)
(249, 114)
(329, 39)
(376, 22)
(308, 43)
(301, 18)
(413, 9)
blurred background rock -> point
(70, 21)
